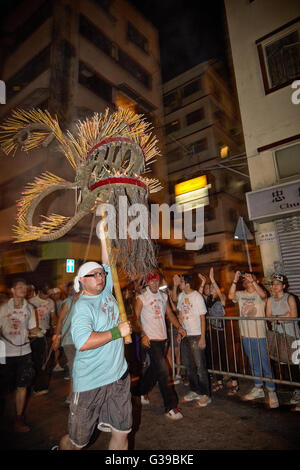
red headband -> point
(152, 276)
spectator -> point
(216, 351)
(251, 302)
(17, 322)
(283, 305)
(132, 349)
(192, 311)
(30, 292)
(55, 295)
(46, 319)
(150, 309)
(176, 344)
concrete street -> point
(226, 424)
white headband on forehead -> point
(83, 271)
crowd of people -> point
(39, 326)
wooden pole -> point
(115, 278)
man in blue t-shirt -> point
(101, 382)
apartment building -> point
(72, 58)
(202, 133)
(265, 38)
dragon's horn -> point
(31, 129)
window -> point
(279, 55)
(93, 34)
(134, 68)
(174, 156)
(288, 161)
(28, 73)
(170, 99)
(191, 88)
(137, 38)
(24, 31)
(172, 127)
(209, 248)
(198, 146)
(104, 4)
(194, 116)
(92, 81)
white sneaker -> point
(41, 392)
(174, 414)
(255, 392)
(190, 397)
(145, 400)
(273, 399)
(58, 368)
(295, 399)
(204, 400)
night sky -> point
(190, 32)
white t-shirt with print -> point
(191, 307)
(14, 326)
(44, 309)
(153, 314)
(251, 305)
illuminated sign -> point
(70, 265)
(193, 192)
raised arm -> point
(256, 286)
(104, 253)
(221, 296)
(232, 290)
(202, 283)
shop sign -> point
(274, 202)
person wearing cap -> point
(150, 310)
(252, 301)
(282, 304)
(101, 382)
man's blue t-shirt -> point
(104, 365)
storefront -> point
(276, 213)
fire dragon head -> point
(109, 154)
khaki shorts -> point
(108, 407)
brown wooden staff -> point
(115, 278)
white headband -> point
(83, 270)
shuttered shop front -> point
(288, 231)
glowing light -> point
(190, 185)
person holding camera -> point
(252, 300)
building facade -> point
(202, 132)
(72, 58)
(265, 44)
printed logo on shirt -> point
(249, 309)
(43, 310)
(156, 306)
(186, 308)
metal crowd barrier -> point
(226, 355)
